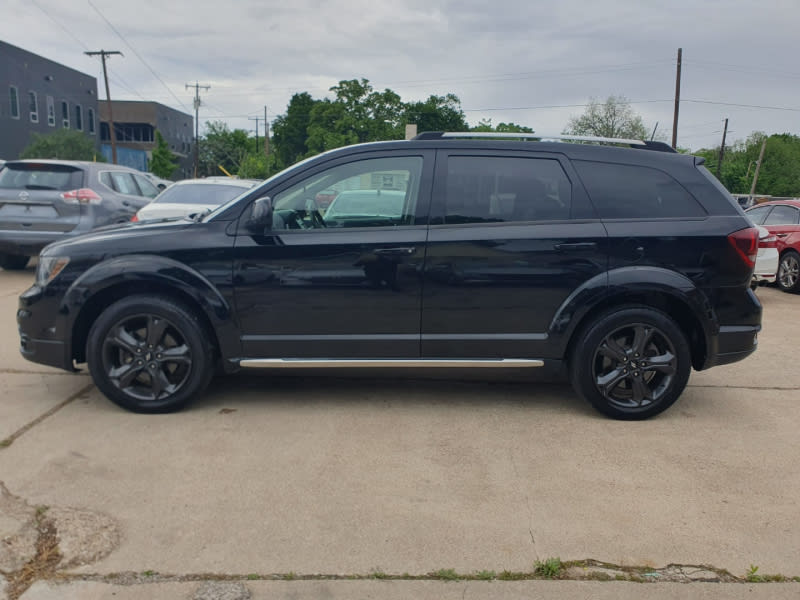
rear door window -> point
(636, 192)
(120, 181)
(487, 189)
(146, 188)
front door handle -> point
(781, 234)
(404, 251)
(576, 247)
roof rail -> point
(642, 144)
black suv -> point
(623, 267)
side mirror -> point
(261, 216)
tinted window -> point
(33, 103)
(123, 183)
(31, 176)
(635, 192)
(212, 194)
(782, 215)
(497, 189)
(378, 192)
(757, 214)
(147, 188)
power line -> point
(114, 29)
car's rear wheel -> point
(13, 262)
(631, 363)
(789, 272)
(149, 354)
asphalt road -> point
(288, 478)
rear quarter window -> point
(636, 192)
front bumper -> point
(41, 340)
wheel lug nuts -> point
(636, 373)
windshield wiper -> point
(33, 186)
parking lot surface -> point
(274, 477)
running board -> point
(304, 363)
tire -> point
(141, 336)
(789, 272)
(13, 262)
(606, 370)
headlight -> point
(49, 268)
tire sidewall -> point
(796, 286)
(189, 328)
(582, 359)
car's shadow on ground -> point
(344, 387)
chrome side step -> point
(310, 363)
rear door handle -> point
(404, 251)
(781, 234)
(576, 247)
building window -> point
(78, 117)
(90, 119)
(14, 101)
(51, 112)
(33, 105)
(65, 113)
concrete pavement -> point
(358, 476)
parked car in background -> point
(767, 259)
(192, 196)
(782, 219)
(365, 205)
(43, 201)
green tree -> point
(357, 114)
(258, 166)
(613, 118)
(437, 113)
(66, 144)
(163, 161)
(222, 147)
(485, 126)
(780, 170)
(290, 131)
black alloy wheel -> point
(789, 272)
(633, 363)
(149, 354)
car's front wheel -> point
(631, 363)
(149, 354)
(789, 272)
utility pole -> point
(266, 132)
(197, 87)
(722, 148)
(677, 100)
(256, 119)
(111, 132)
(758, 168)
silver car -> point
(192, 196)
(43, 201)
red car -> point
(782, 218)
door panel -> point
(506, 252)
(345, 283)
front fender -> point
(147, 272)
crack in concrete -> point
(527, 502)
(27, 427)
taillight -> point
(771, 241)
(745, 242)
(82, 196)
(135, 219)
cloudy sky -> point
(527, 61)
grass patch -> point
(549, 568)
(511, 576)
(447, 574)
(485, 575)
